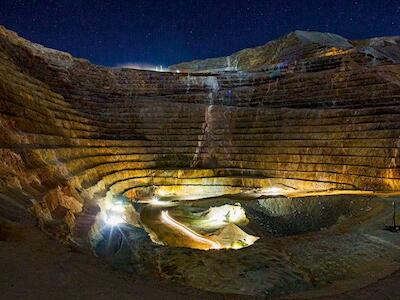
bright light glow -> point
(143, 66)
(227, 213)
(167, 219)
(273, 191)
(155, 201)
(115, 214)
(114, 220)
(119, 208)
(160, 68)
(217, 217)
(161, 192)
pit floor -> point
(310, 247)
(35, 267)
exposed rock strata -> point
(319, 118)
(295, 47)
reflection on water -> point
(305, 245)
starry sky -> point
(164, 32)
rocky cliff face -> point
(296, 48)
(305, 113)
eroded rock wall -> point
(73, 133)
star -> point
(174, 31)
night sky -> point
(112, 32)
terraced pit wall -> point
(73, 133)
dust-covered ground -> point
(35, 267)
(351, 257)
(308, 247)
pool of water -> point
(306, 246)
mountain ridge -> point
(295, 46)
